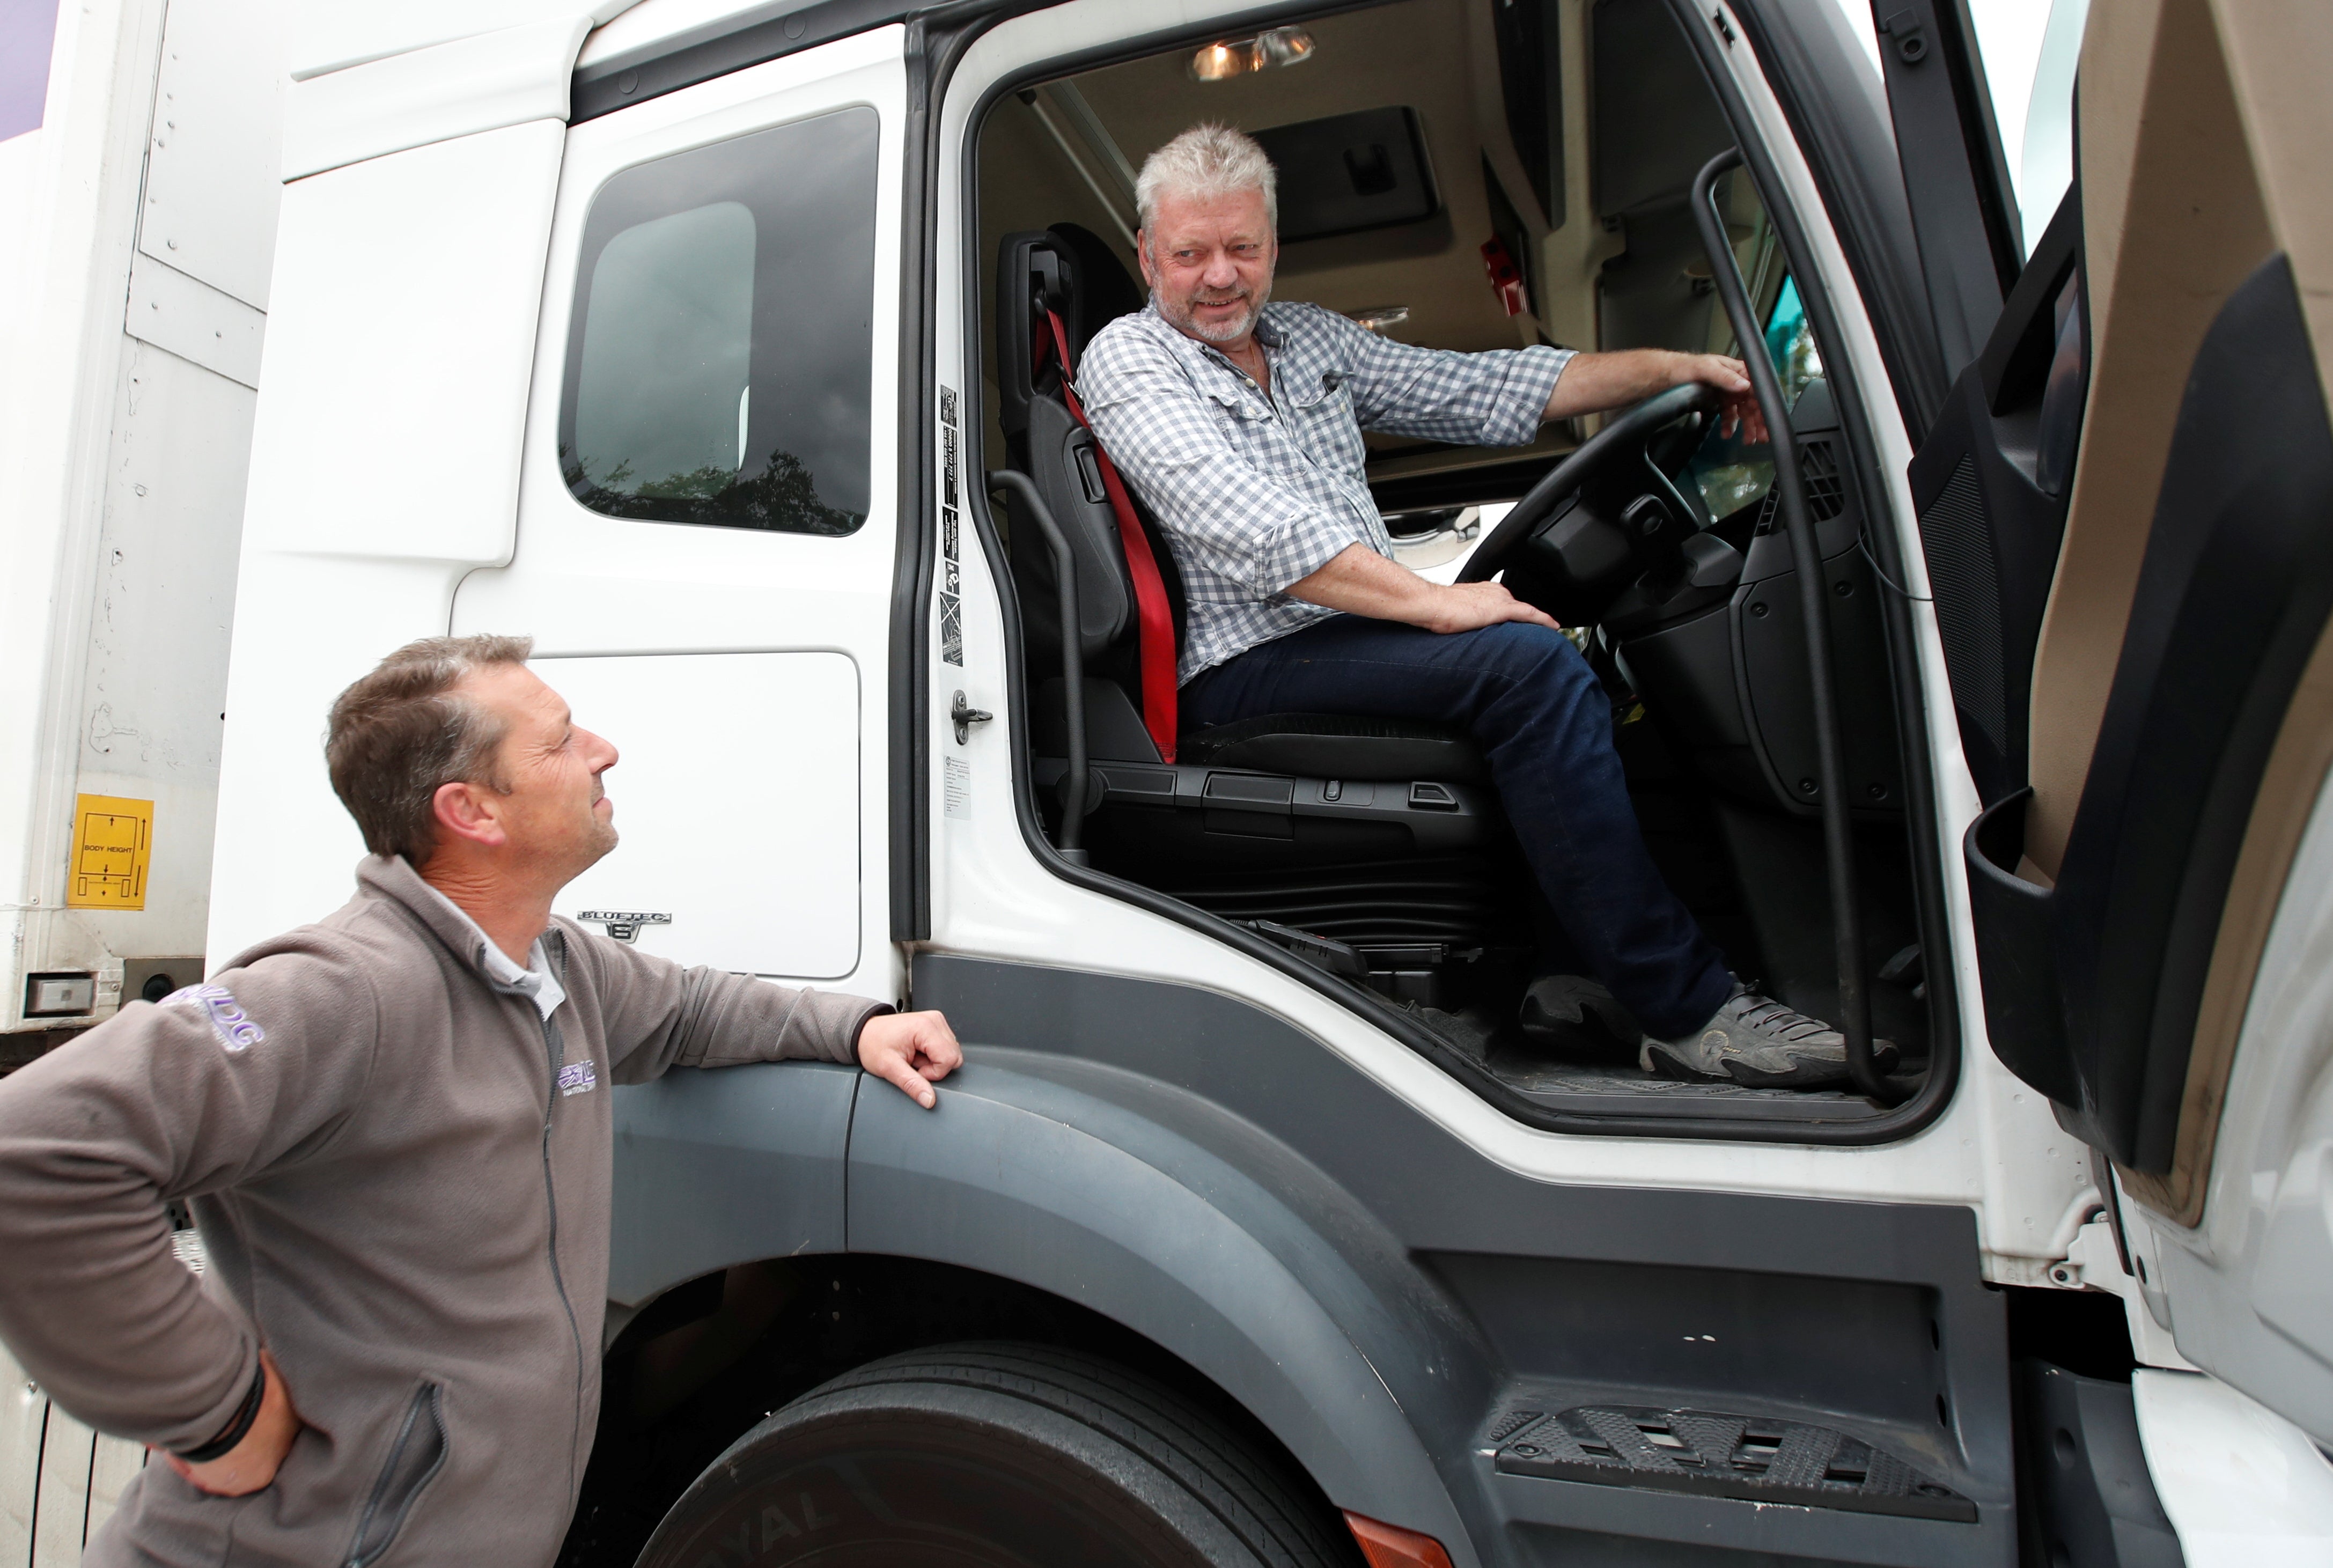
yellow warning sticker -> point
(113, 841)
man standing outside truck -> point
(393, 1127)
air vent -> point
(1826, 490)
(1826, 487)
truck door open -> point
(2122, 505)
(707, 512)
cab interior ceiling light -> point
(1222, 61)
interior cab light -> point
(1222, 61)
(1378, 318)
(1284, 47)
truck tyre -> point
(996, 1454)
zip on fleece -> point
(555, 1049)
(397, 1488)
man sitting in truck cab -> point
(1238, 422)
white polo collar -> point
(536, 982)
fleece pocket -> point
(414, 1459)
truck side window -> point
(720, 349)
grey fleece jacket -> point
(401, 1175)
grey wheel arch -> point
(1143, 1203)
(717, 1169)
(1134, 1199)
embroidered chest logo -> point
(577, 1078)
(235, 1027)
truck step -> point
(1753, 1458)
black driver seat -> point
(1295, 759)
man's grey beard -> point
(1226, 332)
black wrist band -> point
(880, 1010)
(246, 1415)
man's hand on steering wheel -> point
(1359, 581)
(1594, 383)
(1731, 376)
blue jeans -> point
(1544, 725)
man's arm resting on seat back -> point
(1360, 582)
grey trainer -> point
(1759, 1043)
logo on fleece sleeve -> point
(577, 1078)
(236, 1029)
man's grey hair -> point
(401, 732)
(1206, 162)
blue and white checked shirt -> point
(1255, 493)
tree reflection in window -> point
(782, 496)
(723, 309)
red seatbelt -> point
(1155, 616)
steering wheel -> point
(1623, 441)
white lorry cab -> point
(729, 352)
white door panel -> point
(706, 509)
(737, 797)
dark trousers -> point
(1544, 725)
